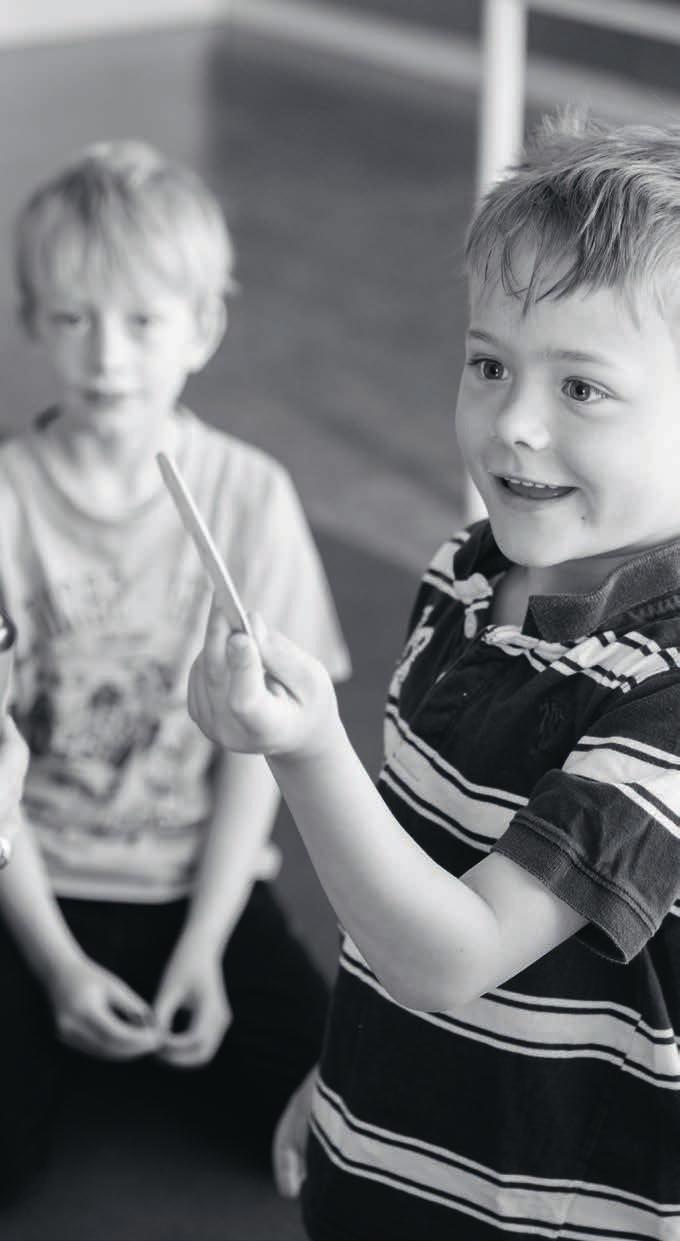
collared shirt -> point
(549, 1107)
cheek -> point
(473, 426)
(66, 357)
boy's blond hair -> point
(123, 209)
(601, 202)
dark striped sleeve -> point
(603, 832)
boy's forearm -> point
(31, 912)
(423, 932)
(246, 802)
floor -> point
(347, 194)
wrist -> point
(55, 967)
(327, 739)
(205, 938)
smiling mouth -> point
(532, 490)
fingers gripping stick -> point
(225, 591)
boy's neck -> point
(110, 473)
(577, 577)
(107, 446)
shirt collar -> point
(646, 586)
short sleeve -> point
(285, 580)
(603, 832)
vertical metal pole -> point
(503, 72)
(501, 125)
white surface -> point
(47, 21)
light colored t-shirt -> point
(110, 616)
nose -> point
(523, 419)
(108, 345)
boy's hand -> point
(290, 1140)
(191, 1007)
(271, 700)
(97, 1013)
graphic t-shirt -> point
(110, 616)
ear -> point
(211, 324)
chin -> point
(531, 552)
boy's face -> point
(121, 353)
(569, 423)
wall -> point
(37, 21)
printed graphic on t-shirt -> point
(419, 639)
(101, 699)
(110, 738)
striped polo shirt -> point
(549, 1107)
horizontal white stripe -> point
(473, 807)
(632, 743)
(533, 1206)
(466, 838)
(529, 1026)
(620, 771)
(402, 737)
(649, 808)
(613, 665)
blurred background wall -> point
(342, 140)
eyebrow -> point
(553, 355)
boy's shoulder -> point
(465, 563)
(18, 449)
(637, 607)
(212, 449)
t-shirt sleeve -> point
(286, 582)
(603, 832)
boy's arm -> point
(95, 1011)
(434, 941)
(246, 802)
(191, 1006)
(32, 914)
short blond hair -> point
(123, 207)
(601, 200)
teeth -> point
(522, 482)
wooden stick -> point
(225, 591)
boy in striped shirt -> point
(502, 1052)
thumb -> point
(246, 680)
(286, 664)
(166, 1004)
(127, 1002)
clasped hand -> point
(260, 697)
(96, 1012)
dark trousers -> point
(278, 999)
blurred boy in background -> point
(137, 922)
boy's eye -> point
(488, 368)
(68, 318)
(143, 319)
(583, 392)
